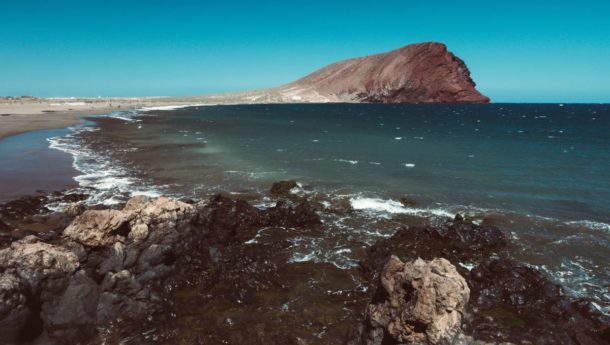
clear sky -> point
(517, 51)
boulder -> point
(224, 219)
(37, 262)
(418, 302)
(283, 188)
(99, 228)
(288, 215)
(34, 274)
(72, 314)
(100, 270)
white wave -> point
(67, 104)
(352, 162)
(590, 224)
(173, 107)
(301, 257)
(105, 181)
(467, 266)
(394, 207)
(124, 118)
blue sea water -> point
(541, 172)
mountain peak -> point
(417, 73)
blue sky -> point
(517, 51)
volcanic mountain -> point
(417, 73)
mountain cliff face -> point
(417, 73)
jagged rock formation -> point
(418, 302)
(225, 266)
(111, 264)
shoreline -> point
(93, 171)
(181, 237)
(18, 116)
(224, 258)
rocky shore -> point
(218, 272)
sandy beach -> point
(20, 115)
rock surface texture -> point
(111, 266)
(418, 302)
(417, 73)
(103, 269)
(221, 271)
(509, 302)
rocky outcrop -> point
(514, 302)
(233, 220)
(418, 302)
(228, 270)
(458, 241)
(111, 265)
(104, 268)
(34, 277)
(509, 301)
(283, 188)
(416, 73)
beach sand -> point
(31, 114)
(24, 114)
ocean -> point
(540, 172)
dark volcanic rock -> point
(113, 265)
(29, 215)
(509, 302)
(226, 218)
(24, 207)
(417, 73)
(103, 269)
(458, 241)
(288, 215)
(33, 276)
(283, 188)
(4, 227)
(252, 294)
(233, 220)
(516, 303)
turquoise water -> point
(539, 172)
(534, 159)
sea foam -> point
(389, 206)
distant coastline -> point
(24, 114)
